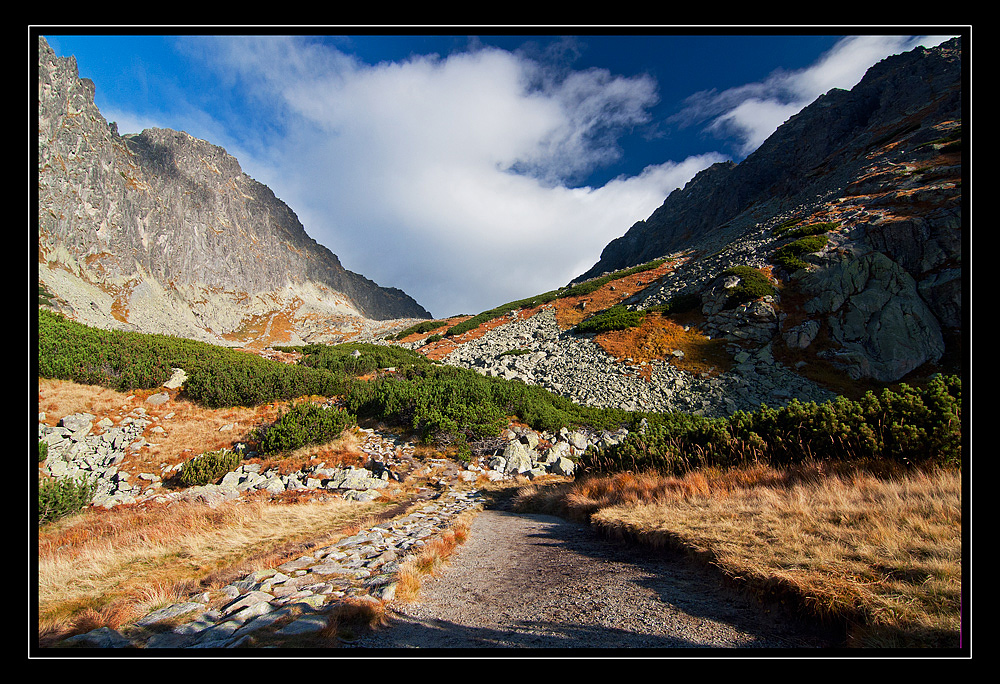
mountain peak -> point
(160, 231)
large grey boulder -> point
(880, 326)
(517, 458)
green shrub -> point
(788, 256)
(305, 423)
(416, 329)
(340, 359)
(217, 376)
(813, 229)
(754, 284)
(785, 226)
(43, 451)
(209, 467)
(60, 497)
(615, 318)
(906, 426)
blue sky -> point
(471, 170)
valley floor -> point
(877, 558)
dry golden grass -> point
(354, 615)
(110, 567)
(883, 555)
(190, 430)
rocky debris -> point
(297, 596)
(82, 447)
(884, 161)
(577, 368)
(73, 451)
(826, 144)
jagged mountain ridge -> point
(821, 148)
(162, 232)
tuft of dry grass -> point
(880, 554)
(354, 615)
(431, 558)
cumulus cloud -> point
(748, 114)
(459, 178)
(452, 177)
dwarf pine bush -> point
(64, 496)
(789, 255)
(208, 467)
(906, 426)
(303, 424)
(615, 318)
(754, 284)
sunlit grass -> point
(883, 555)
(110, 567)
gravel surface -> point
(540, 582)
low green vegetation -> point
(418, 329)
(813, 229)
(357, 358)
(453, 405)
(906, 426)
(789, 255)
(209, 467)
(304, 424)
(614, 318)
(753, 285)
(59, 497)
(808, 239)
(784, 227)
(218, 377)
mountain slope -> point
(815, 152)
(162, 232)
(829, 262)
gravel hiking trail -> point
(530, 581)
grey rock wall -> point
(163, 225)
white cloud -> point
(449, 177)
(752, 112)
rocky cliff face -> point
(876, 174)
(162, 232)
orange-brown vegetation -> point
(572, 310)
(568, 310)
(659, 336)
(190, 430)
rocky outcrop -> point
(162, 232)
